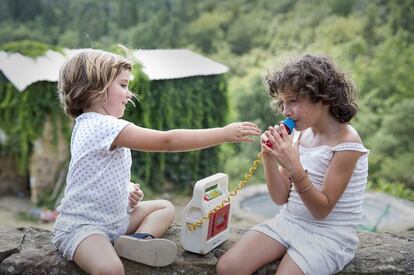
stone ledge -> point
(29, 251)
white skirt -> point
(314, 252)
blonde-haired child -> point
(97, 208)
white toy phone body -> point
(208, 194)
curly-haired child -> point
(319, 175)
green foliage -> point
(236, 166)
(401, 17)
(385, 121)
(206, 26)
(28, 48)
(373, 40)
(23, 114)
(70, 39)
(341, 7)
(393, 159)
(22, 117)
(244, 34)
(11, 32)
(252, 90)
(395, 188)
(23, 11)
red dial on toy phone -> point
(289, 126)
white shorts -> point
(67, 242)
(314, 253)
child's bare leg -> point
(288, 266)
(96, 255)
(152, 217)
(250, 253)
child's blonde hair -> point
(84, 79)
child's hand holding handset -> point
(135, 195)
(287, 124)
(277, 142)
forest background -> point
(373, 40)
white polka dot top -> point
(97, 182)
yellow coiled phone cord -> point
(242, 183)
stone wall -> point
(29, 251)
(11, 182)
(47, 166)
(48, 161)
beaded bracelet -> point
(306, 189)
(300, 179)
(293, 181)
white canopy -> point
(170, 64)
(22, 71)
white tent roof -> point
(22, 71)
(170, 64)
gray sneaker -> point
(149, 251)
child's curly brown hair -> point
(317, 78)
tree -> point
(393, 151)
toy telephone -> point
(209, 203)
(206, 217)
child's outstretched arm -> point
(181, 140)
